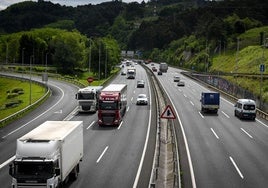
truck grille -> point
(108, 119)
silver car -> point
(142, 99)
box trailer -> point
(48, 155)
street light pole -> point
(22, 61)
(105, 62)
(31, 59)
(99, 59)
(89, 58)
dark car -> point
(159, 73)
(140, 83)
(181, 83)
(154, 69)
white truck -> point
(131, 73)
(163, 67)
(88, 98)
(48, 155)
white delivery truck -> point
(48, 155)
(88, 98)
(131, 73)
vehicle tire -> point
(66, 180)
(74, 173)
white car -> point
(142, 99)
(176, 79)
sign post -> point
(168, 114)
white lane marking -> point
(102, 154)
(91, 124)
(201, 115)
(214, 133)
(246, 132)
(131, 99)
(7, 162)
(39, 115)
(72, 114)
(127, 108)
(120, 125)
(185, 95)
(192, 103)
(236, 167)
(262, 123)
(225, 114)
(186, 143)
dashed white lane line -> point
(214, 133)
(246, 133)
(102, 154)
(91, 124)
(236, 167)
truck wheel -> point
(74, 173)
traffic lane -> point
(5, 178)
(248, 149)
(223, 125)
(119, 147)
(16, 129)
(208, 158)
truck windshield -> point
(108, 105)
(86, 96)
(249, 107)
(33, 169)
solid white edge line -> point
(186, 143)
(7, 162)
(214, 133)
(102, 154)
(236, 167)
(145, 145)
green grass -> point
(248, 60)
(7, 84)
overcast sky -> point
(5, 3)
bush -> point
(12, 95)
(13, 104)
(17, 90)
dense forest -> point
(161, 30)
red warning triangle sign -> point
(168, 113)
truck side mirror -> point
(57, 171)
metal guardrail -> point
(171, 140)
(19, 113)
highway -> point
(113, 156)
(224, 151)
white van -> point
(245, 108)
